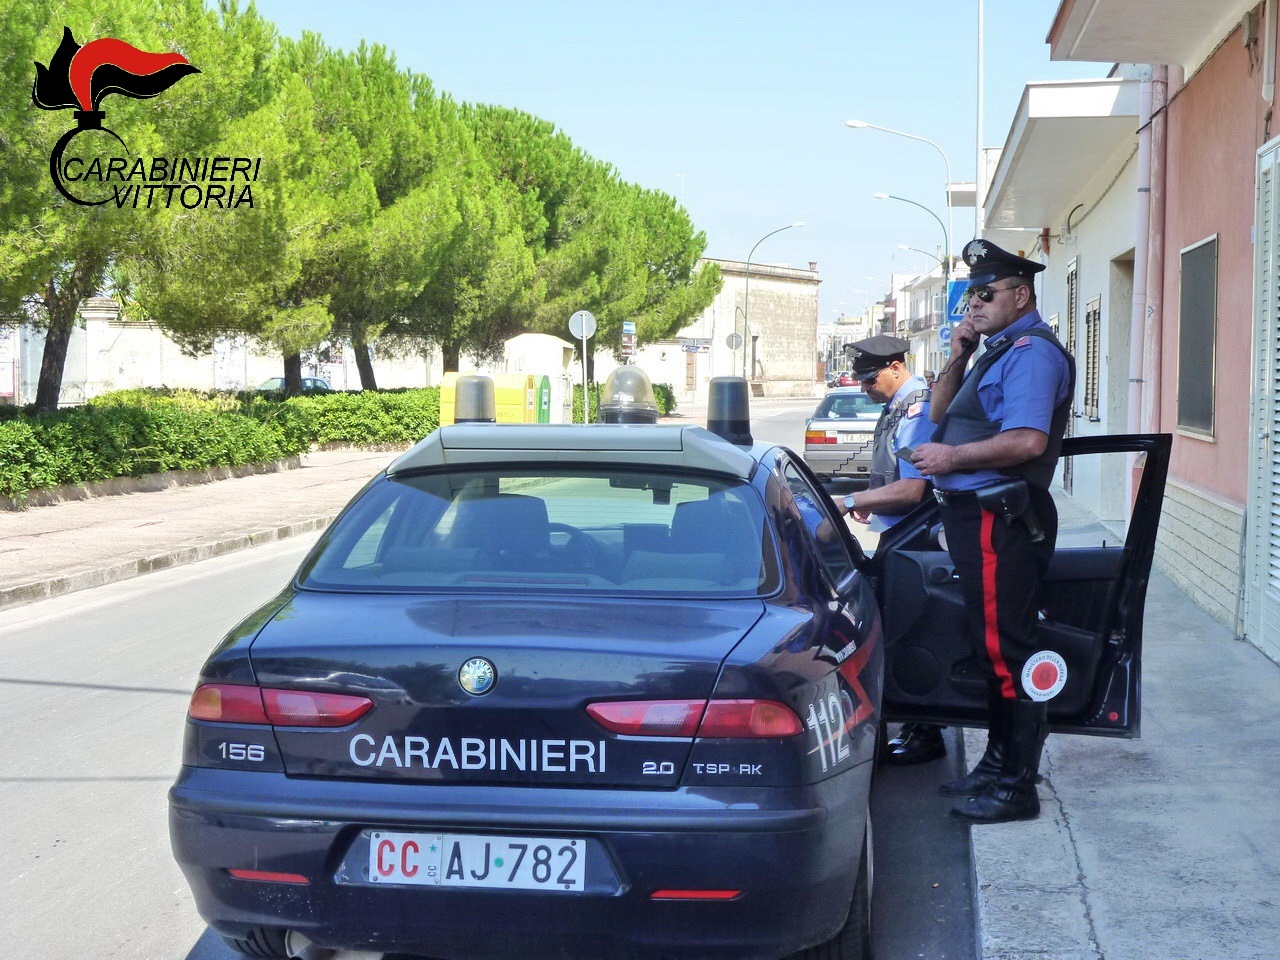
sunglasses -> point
(986, 293)
(873, 375)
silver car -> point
(838, 437)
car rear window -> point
(848, 406)
(564, 531)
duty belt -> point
(1008, 499)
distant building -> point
(778, 308)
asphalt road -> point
(93, 690)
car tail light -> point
(817, 436)
(306, 708)
(649, 718)
(749, 718)
(227, 703)
(237, 703)
(688, 718)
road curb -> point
(49, 587)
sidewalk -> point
(1164, 848)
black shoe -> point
(1012, 796)
(1001, 803)
(988, 768)
(916, 743)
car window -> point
(848, 406)
(815, 507)
(561, 530)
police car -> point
(588, 691)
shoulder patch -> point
(1022, 342)
(915, 409)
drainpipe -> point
(1153, 316)
(1137, 318)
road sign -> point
(956, 306)
(944, 334)
(733, 341)
(582, 325)
(628, 326)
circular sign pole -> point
(582, 325)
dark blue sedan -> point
(576, 692)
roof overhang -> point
(1143, 31)
(1060, 132)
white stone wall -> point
(1198, 548)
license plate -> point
(467, 860)
(852, 437)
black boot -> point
(916, 743)
(1013, 794)
(988, 768)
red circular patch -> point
(1044, 675)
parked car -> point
(574, 692)
(845, 379)
(838, 436)
(309, 385)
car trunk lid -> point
(545, 660)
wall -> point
(783, 307)
(1216, 123)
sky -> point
(738, 109)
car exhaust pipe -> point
(299, 947)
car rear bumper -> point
(833, 461)
(793, 853)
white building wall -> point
(1101, 245)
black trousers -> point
(1000, 570)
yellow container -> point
(514, 397)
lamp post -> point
(933, 256)
(946, 235)
(863, 125)
(746, 291)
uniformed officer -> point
(998, 437)
(895, 485)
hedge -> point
(129, 433)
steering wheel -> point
(581, 550)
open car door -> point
(1091, 606)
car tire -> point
(265, 942)
(853, 942)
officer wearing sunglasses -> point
(993, 454)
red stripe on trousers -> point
(990, 613)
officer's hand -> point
(862, 516)
(965, 336)
(934, 458)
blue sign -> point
(628, 326)
(944, 334)
(956, 306)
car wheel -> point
(853, 942)
(268, 942)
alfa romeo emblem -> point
(477, 676)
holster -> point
(1011, 500)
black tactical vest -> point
(885, 467)
(965, 421)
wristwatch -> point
(849, 503)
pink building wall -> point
(1216, 123)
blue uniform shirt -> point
(912, 430)
(1022, 388)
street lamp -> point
(946, 235)
(933, 256)
(746, 291)
(863, 125)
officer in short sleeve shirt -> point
(895, 486)
(1000, 427)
